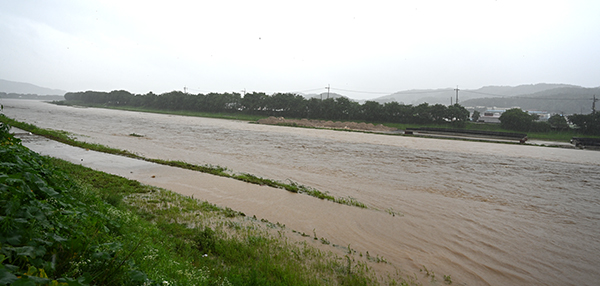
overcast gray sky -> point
(288, 46)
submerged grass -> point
(67, 138)
(234, 116)
(65, 224)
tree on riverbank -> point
(587, 123)
(519, 120)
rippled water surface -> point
(485, 213)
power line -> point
(359, 91)
(524, 97)
(385, 92)
(421, 92)
(307, 90)
(188, 88)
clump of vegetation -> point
(519, 120)
(588, 123)
(447, 279)
(393, 212)
(351, 202)
(53, 232)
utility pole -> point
(328, 88)
(456, 89)
(594, 104)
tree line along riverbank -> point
(256, 105)
(279, 105)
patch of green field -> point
(233, 116)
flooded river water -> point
(486, 213)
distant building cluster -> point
(492, 115)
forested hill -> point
(518, 90)
(563, 100)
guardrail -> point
(508, 135)
(585, 142)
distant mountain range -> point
(7, 86)
(561, 100)
(448, 95)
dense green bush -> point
(587, 123)
(516, 119)
(50, 231)
(558, 122)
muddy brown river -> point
(485, 213)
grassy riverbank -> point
(232, 116)
(64, 223)
(557, 136)
(290, 186)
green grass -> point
(233, 116)
(65, 223)
(558, 136)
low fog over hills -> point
(562, 100)
(445, 96)
(7, 86)
(553, 98)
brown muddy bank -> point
(346, 125)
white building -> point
(491, 115)
(542, 115)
